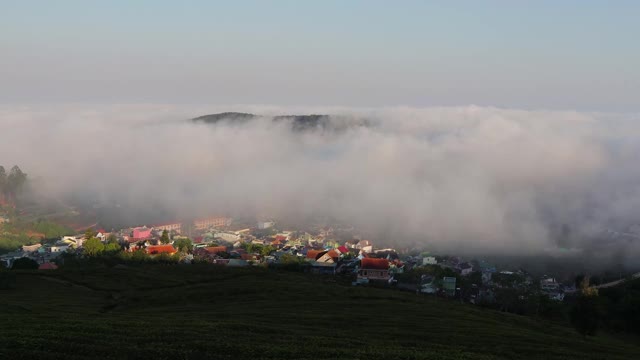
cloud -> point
(472, 179)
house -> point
(486, 277)
(262, 225)
(141, 233)
(429, 260)
(364, 245)
(372, 269)
(73, 241)
(58, 248)
(465, 269)
(48, 266)
(449, 285)
(549, 285)
(228, 236)
(277, 243)
(323, 268)
(428, 284)
(237, 263)
(249, 257)
(313, 255)
(215, 249)
(31, 248)
(176, 226)
(556, 296)
(161, 249)
(331, 256)
(215, 222)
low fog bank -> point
(461, 179)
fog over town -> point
(466, 179)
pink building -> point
(141, 233)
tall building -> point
(217, 221)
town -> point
(221, 241)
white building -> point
(227, 236)
(265, 224)
(429, 260)
(58, 248)
(549, 285)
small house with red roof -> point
(160, 249)
(313, 255)
(331, 256)
(372, 269)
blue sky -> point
(581, 55)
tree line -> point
(11, 183)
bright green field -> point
(201, 312)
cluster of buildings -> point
(215, 241)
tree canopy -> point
(165, 237)
(11, 184)
(93, 247)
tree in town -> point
(15, 180)
(89, 233)
(93, 247)
(266, 250)
(586, 312)
(3, 180)
(184, 245)
(112, 247)
(112, 239)
(165, 237)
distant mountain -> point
(298, 122)
(225, 116)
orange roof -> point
(313, 254)
(247, 257)
(373, 263)
(334, 253)
(160, 249)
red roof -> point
(333, 253)
(248, 257)
(160, 249)
(215, 249)
(141, 233)
(281, 237)
(343, 249)
(48, 266)
(373, 263)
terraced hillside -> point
(201, 312)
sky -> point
(558, 55)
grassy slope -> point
(198, 312)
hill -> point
(201, 311)
(298, 123)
